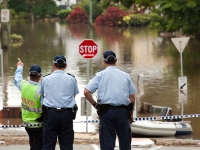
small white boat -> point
(159, 128)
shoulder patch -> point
(46, 74)
(71, 75)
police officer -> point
(31, 103)
(59, 89)
(115, 95)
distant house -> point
(66, 4)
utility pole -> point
(90, 17)
(4, 28)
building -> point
(66, 4)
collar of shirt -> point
(111, 67)
(59, 71)
(33, 82)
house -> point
(66, 4)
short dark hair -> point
(60, 66)
(111, 60)
(34, 77)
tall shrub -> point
(112, 17)
(77, 16)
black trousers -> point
(58, 125)
(114, 123)
(35, 138)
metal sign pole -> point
(86, 107)
(181, 59)
(182, 108)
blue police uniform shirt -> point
(59, 89)
(114, 86)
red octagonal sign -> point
(88, 48)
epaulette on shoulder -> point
(122, 70)
(96, 73)
(46, 74)
(99, 71)
(71, 75)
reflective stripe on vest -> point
(37, 110)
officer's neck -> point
(59, 69)
(107, 65)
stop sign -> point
(88, 48)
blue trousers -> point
(115, 122)
(58, 125)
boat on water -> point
(163, 128)
(159, 128)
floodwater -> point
(139, 51)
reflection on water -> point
(139, 51)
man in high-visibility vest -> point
(31, 103)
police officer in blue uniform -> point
(114, 105)
(58, 89)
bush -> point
(158, 22)
(139, 19)
(112, 17)
(63, 13)
(78, 16)
(16, 38)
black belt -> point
(57, 109)
(120, 106)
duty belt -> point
(120, 106)
(57, 109)
(31, 109)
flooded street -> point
(138, 50)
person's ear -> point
(53, 66)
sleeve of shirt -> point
(18, 77)
(132, 89)
(93, 84)
(76, 90)
(41, 89)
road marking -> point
(156, 148)
(95, 147)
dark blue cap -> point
(59, 59)
(35, 70)
(109, 55)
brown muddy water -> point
(139, 51)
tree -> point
(96, 7)
(181, 14)
(33, 7)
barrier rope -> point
(154, 118)
(22, 125)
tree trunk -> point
(32, 16)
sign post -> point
(88, 49)
(180, 44)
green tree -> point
(97, 8)
(181, 14)
(33, 7)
